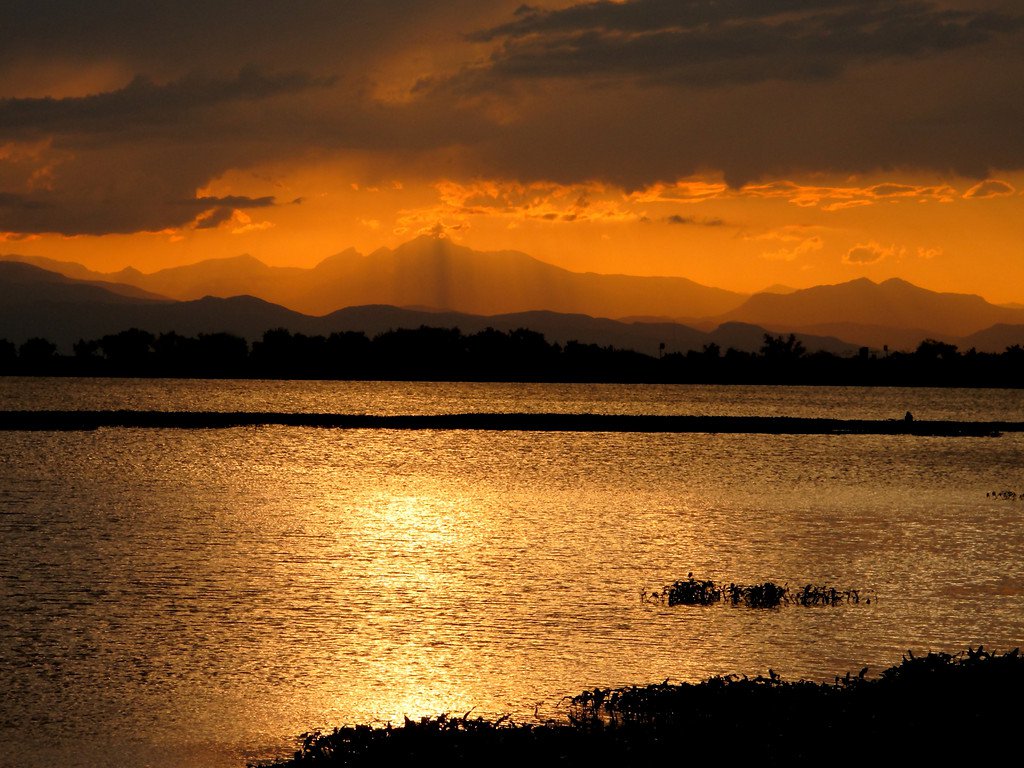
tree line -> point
(447, 354)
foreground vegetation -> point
(940, 708)
(522, 355)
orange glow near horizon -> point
(951, 234)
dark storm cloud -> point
(233, 201)
(206, 87)
(74, 211)
(132, 159)
(15, 202)
(214, 211)
(709, 44)
(214, 219)
(629, 93)
(652, 90)
(142, 102)
(166, 36)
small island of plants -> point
(692, 591)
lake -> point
(201, 597)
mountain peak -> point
(342, 257)
(863, 282)
(897, 282)
(894, 303)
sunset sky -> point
(741, 147)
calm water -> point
(199, 598)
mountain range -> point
(38, 302)
(431, 281)
(426, 272)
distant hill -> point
(49, 283)
(41, 302)
(894, 312)
(994, 339)
(875, 336)
(778, 288)
(36, 302)
(428, 272)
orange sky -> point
(588, 135)
(948, 234)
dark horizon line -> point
(54, 420)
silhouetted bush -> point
(938, 709)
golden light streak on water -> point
(183, 596)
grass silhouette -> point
(694, 591)
(939, 708)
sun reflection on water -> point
(244, 586)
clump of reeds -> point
(692, 592)
(764, 595)
(767, 595)
(1005, 495)
(812, 595)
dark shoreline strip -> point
(522, 422)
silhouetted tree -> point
(174, 354)
(779, 349)
(87, 360)
(8, 356)
(129, 351)
(37, 355)
(446, 354)
(426, 352)
(86, 351)
(930, 349)
(348, 354)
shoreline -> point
(51, 420)
(941, 708)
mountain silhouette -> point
(863, 311)
(995, 338)
(36, 302)
(234, 295)
(427, 272)
(50, 284)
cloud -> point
(7, 237)
(244, 223)
(796, 241)
(164, 36)
(205, 88)
(710, 44)
(681, 191)
(632, 96)
(839, 198)
(703, 222)
(14, 202)
(119, 162)
(234, 201)
(865, 254)
(649, 91)
(142, 103)
(131, 160)
(990, 188)
(212, 218)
